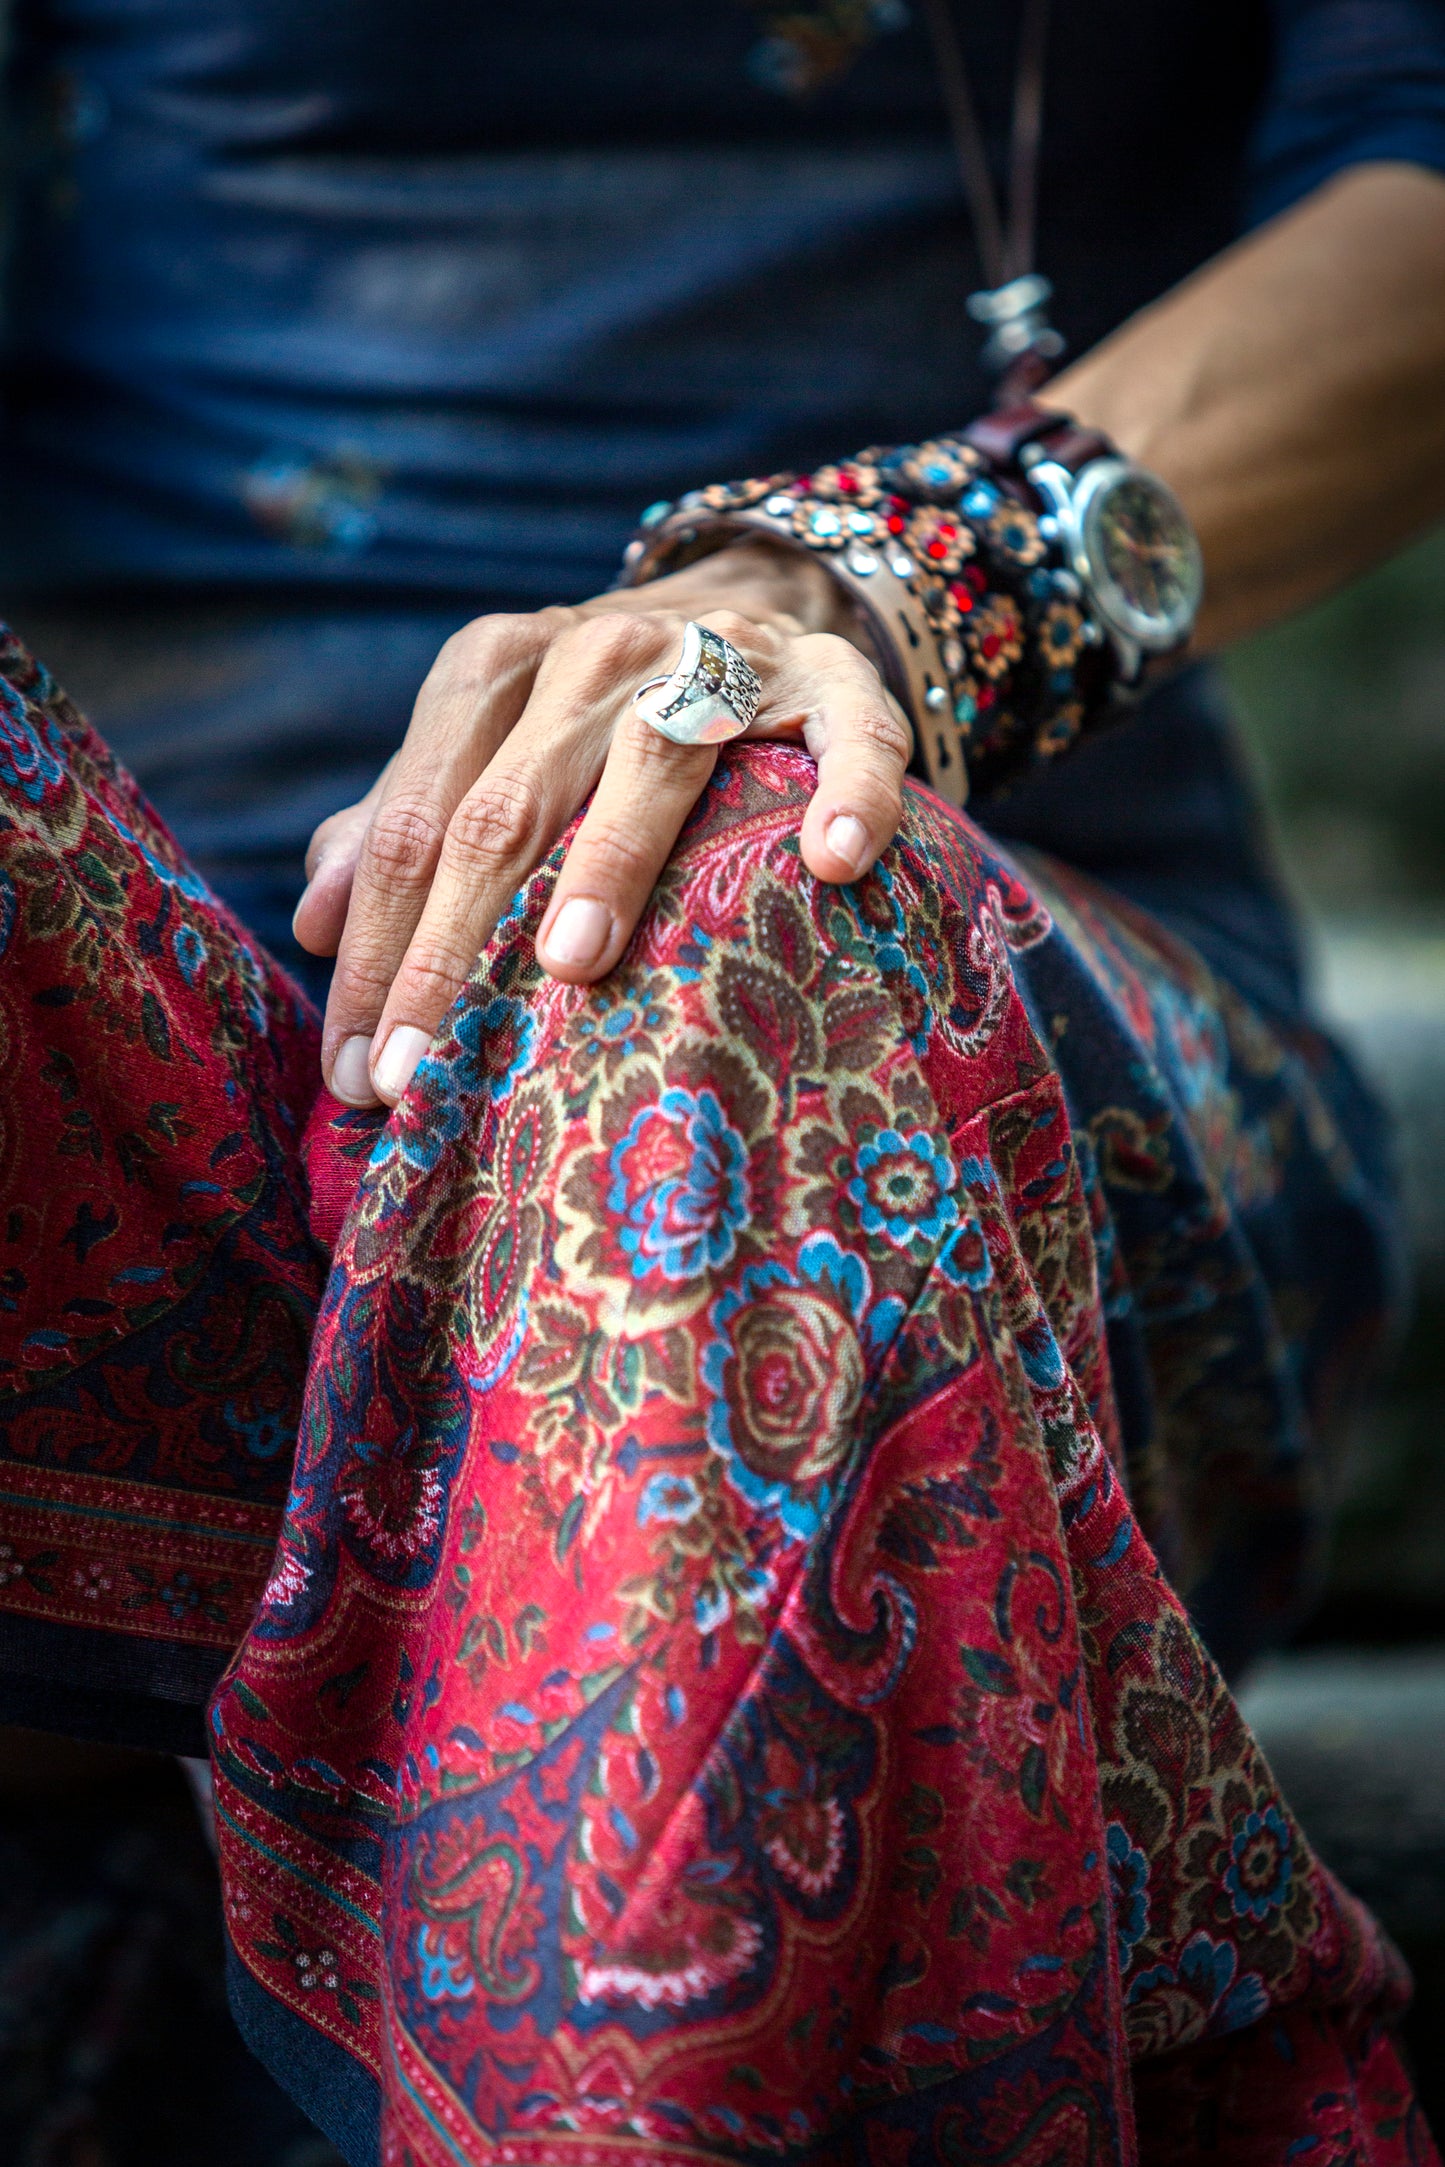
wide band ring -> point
(712, 694)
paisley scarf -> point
(708, 1685)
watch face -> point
(1143, 565)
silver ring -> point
(712, 694)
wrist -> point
(982, 643)
(754, 575)
(1014, 584)
(762, 579)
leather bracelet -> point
(900, 635)
(980, 626)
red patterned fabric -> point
(714, 1697)
(754, 1721)
(158, 1281)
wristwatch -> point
(1122, 532)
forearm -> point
(1293, 393)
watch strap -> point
(1001, 437)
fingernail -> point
(396, 1063)
(848, 840)
(580, 931)
(351, 1073)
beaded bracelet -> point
(980, 626)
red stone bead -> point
(894, 524)
(991, 646)
(848, 483)
(986, 696)
(938, 549)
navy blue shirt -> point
(434, 294)
(408, 306)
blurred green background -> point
(1345, 715)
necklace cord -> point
(1026, 140)
(968, 142)
(1004, 254)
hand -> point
(519, 719)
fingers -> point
(511, 817)
(331, 858)
(832, 696)
(647, 790)
(441, 857)
(378, 882)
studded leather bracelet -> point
(978, 623)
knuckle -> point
(478, 638)
(611, 857)
(496, 821)
(879, 730)
(839, 657)
(478, 651)
(429, 977)
(316, 849)
(358, 991)
(661, 758)
(404, 840)
(733, 626)
(618, 640)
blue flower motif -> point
(1129, 1884)
(190, 952)
(262, 1435)
(903, 1189)
(453, 1077)
(964, 1259)
(1209, 1968)
(679, 1186)
(614, 1025)
(783, 1370)
(180, 1594)
(1040, 1353)
(886, 939)
(32, 761)
(444, 1974)
(469, 1062)
(669, 1497)
(9, 911)
(711, 1607)
(1260, 1869)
